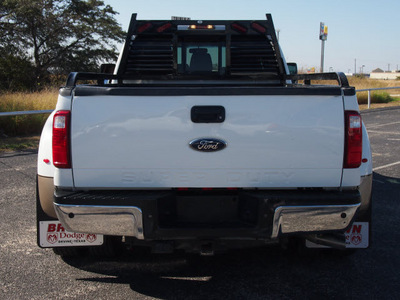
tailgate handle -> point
(208, 114)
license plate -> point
(52, 234)
(356, 237)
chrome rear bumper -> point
(108, 220)
(128, 220)
(292, 219)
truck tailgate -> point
(278, 141)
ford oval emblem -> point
(207, 144)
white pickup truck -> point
(202, 140)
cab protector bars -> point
(251, 28)
(74, 77)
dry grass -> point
(367, 83)
(26, 124)
(43, 100)
(382, 96)
(19, 143)
(379, 99)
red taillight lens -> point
(258, 27)
(353, 140)
(164, 27)
(144, 27)
(238, 27)
(61, 139)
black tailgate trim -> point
(206, 91)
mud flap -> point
(51, 233)
(357, 237)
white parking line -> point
(380, 132)
(386, 166)
(381, 125)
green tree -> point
(16, 70)
(59, 36)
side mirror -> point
(107, 68)
(292, 68)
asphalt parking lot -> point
(28, 272)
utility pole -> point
(323, 35)
(355, 66)
(322, 55)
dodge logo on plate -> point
(207, 144)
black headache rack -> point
(251, 47)
(164, 53)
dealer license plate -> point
(52, 234)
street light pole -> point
(355, 66)
(323, 35)
(322, 55)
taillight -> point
(353, 140)
(61, 139)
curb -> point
(372, 110)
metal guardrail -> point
(27, 112)
(376, 89)
(37, 112)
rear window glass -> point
(200, 58)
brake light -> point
(353, 140)
(61, 139)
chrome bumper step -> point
(128, 220)
(107, 220)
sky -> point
(362, 34)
